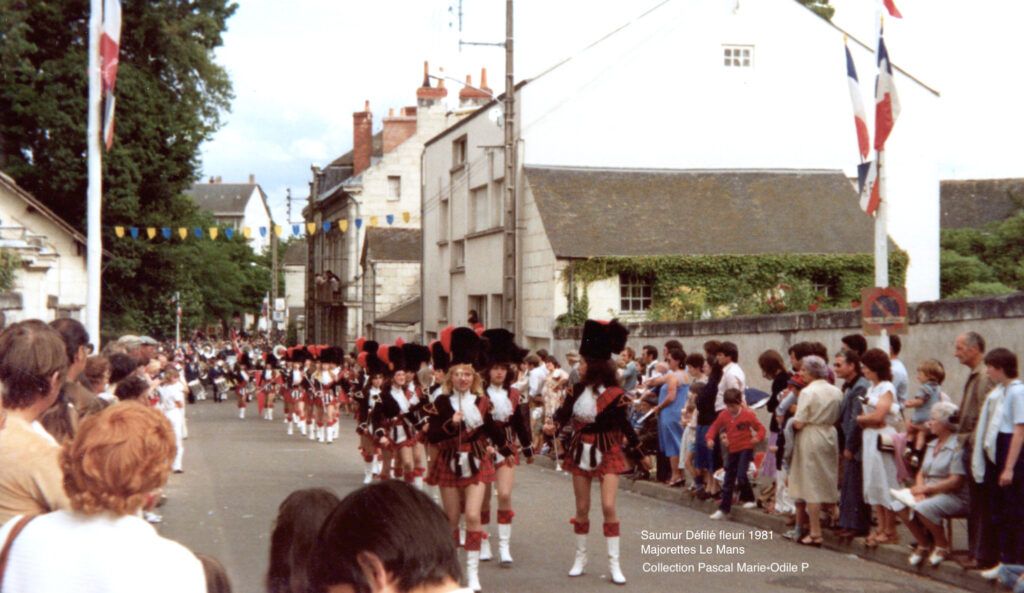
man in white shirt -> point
(537, 374)
(172, 404)
(900, 379)
(733, 376)
(649, 360)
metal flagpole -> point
(177, 320)
(882, 215)
(94, 242)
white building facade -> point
(734, 79)
(239, 206)
(51, 281)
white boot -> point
(368, 472)
(241, 413)
(462, 532)
(376, 465)
(290, 428)
(311, 431)
(485, 547)
(504, 537)
(270, 414)
(473, 570)
(321, 433)
(330, 433)
(581, 556)
(417, 482)
(613, 561)
(302, 426)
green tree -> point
(986, 261)
(170, 97)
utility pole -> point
(272, 330)
(509, 263)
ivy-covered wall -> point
(699, 287)
(9, 264)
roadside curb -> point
(894, 556)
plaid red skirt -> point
(613, 461)
(441, 473)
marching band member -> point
(242, 383)
(271, 383)
(416, 357)
(394, 419)
(511, 412)
(461, 425)
(597, 412)
(297, 386)
(366, 401)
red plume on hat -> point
(361, 359)
(602, 339)
(382, 354)
(446, 338)
(359, 343)
(399, 341)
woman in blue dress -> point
(671, 401)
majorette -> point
(367, 399)
(601, 437)
(511, 413)
(461, 425)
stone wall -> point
(934, 327)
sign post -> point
(884, 312)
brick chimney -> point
(398, 128)
(252, 179)
(426, 95)
(475, 97)
(362, 139)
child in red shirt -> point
(737, 422)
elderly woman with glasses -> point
(940, 489)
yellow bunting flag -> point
(119, 231)
(182, 232)
(406, 216)
(373, 221)
(278, 230)
(343, 225)
(213, 232)
(310, 228)
(247, 232)
(150, 232)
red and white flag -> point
(109, 48)
(887, 103)
(860, 118)
(890, 5)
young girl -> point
(367, 399)
(930, 374)
(511, 413)
(596, 412)
(461, 425)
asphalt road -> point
(238, 471)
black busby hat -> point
(272, 361)
(439, 357)
(300, 354)
(396, 358)
(370, 346)
(374, 365)
(602, 339)
(332, 355)
(413, 355)
(466, 347)
(500, 347)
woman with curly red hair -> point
(112, 469)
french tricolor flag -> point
(890, 5)
(860, 118)
(887, 103)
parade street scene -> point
(451, 296)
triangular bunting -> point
(119, 231)
(390, 218)
(359, 223)
(150, 232)
(327, 226)
(343, 225)
(198, 231)
(246, 232)
(230, 232)
(182, 232)
(166, 231)
(373, 221)
(406, 216)
(278, 230)
(263, 231)
(310, 228)
(213, 232)
(295, 230)
(134, 232)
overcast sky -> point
(300, 68)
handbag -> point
(10, 541)
(885, 444)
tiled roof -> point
(407, 313)
(297, 253)
(222, 199)
(623, 212)
(975, 203)
(392, 244)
